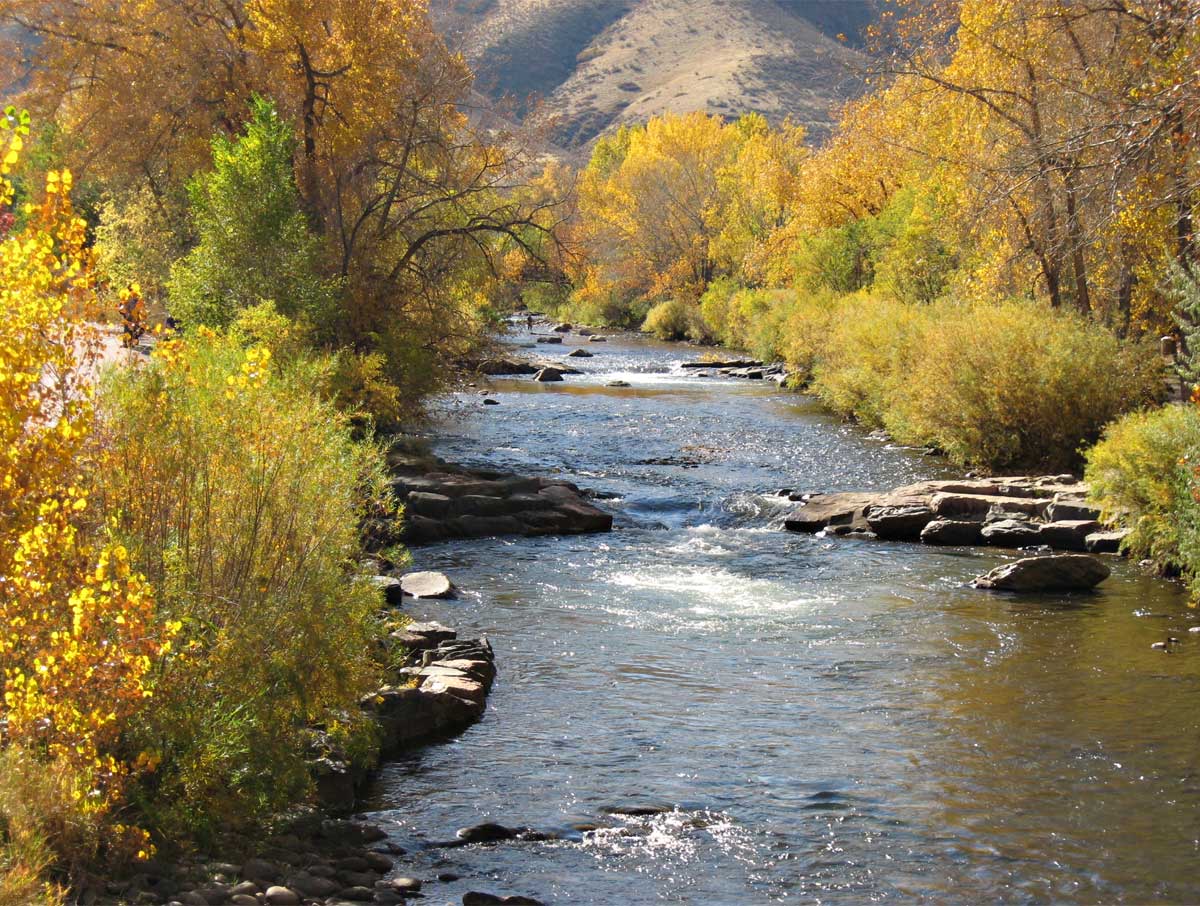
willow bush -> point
(1140, 474)
(239, 493)
(1017, 385)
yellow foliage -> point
(77, 634)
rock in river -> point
(488, 832)
(505, 366)
(959, 532)
(549, 339)
(548, 374)
(898, 523)
(1056, 572)
(579, 354)
(442, 500)
(427, 585)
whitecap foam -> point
(713, 590)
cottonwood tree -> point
(410, 198)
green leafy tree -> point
(1184, 285)
(254, 241)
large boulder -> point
(420, 636)
(579, 354)
(898, 523)
(958, 505)
(1054, 572)
(390, 587)
(548, 374)
(731, 363)
(824, 510)
(957, 532)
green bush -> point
(254, 242)
(1017, 385)
(1139, 479)
(676, 319)
(239, 492)
(804, 334)
(871, 348)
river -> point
(826, 720)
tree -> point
(654, 216)
(409, 198)
(79, 636)
(254, 243)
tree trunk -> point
(1075, 239)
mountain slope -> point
(597, 63)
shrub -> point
(1015, 385)
(254, 240)
(871, 349)
(720, 313)
(805, 331)
(1139, 479)
(676, 319)
(239, 492)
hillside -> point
(593, 64)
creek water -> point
(825, 720)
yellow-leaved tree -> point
(78, 639)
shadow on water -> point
(825, 720)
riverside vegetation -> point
(975, 261)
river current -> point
(824, 720)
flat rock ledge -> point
(444, 501)
(1050, 511)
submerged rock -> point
(549, 340)
(488, 832)
(1054, 572)
(579, 354)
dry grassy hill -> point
(596, 63)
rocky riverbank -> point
(1049, 512)
(437, 687)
